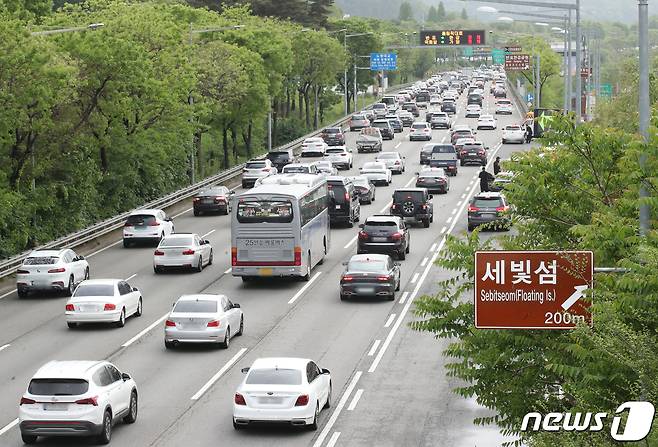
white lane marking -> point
(459, 204)
(411, 180)
(334, 416)
(398, 322)
(7, 294)
(433, 246)
(208, 234)
(333, 439)
(355, 400)
(390, 320)
(228, 271)
(443, 230)
(375, 345)
(8, 427)
(386, 207)
(145, 331)
(449, 220)
(3, 347)
(463, 196)
(398, 145)
(422, 264)
(303, 289)
(182, 212)
(104, 248)
(352, 241)
(454, 211)
(404, 297)
(415, 278)
(130, 277)
(472, 181)
(219, 374)
(444, 138)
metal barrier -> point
(9, 266)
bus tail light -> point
(298, 255)
(234, 256)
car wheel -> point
(71, 287)
(126, 244)
(199, 265)
(461, 162)
(22, 293)
(327, 404)
(373, 198)
(210, 258)
(169, 344)
(237, 426)
(402, 255)
(397, 286)
(132, 413)
(87, 273)
(227, 339)
(156, 270)
(71, 325)
(197, 213)
(106, 430)
(241, 330)
(408, 248)
(350, 222)
(390, 297)
(314, 425)
(247, 278)
(138, 312)
(28, 439)
(426, 223)
(343, 297)
(432, 218)
(471, 227)
(122, 319)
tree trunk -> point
(105, 163)
(287, 109)
(316, 106)
(307, 108)
(246, 137)
(301, 100)
(200, 162)
(234, 142)
(225, 160)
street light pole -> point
(569, 65)
(645, 111)
(345, 80)
(579, 66)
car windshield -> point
(255, 165)
(94, 290)
(481, 202)
(366, 265)
(264, 211)
(196, 306)
(274, 376)
(41, 260)
(386, 156)
(140, 220)
(176, 241)
(403, 196)
(58, 387)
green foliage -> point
(406, 12)
(464, 14)
(441, 11)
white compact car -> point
(76, 398)
(473, 111)
(282, 390)
(393, 161)
(513, 134)
(257, 169)
(203, 318)
(504, 106)
(377, 173)
(325, 167)
(103, 301)
(339, 156)
(182, 250)
(313, 147)
(487, 122)
(146, 226)
(420, 131)
(51, 270)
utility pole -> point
(645, 111)
(569, 64)
(579, 65)
(345, 79)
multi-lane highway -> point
(389, 384)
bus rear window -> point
(264, 211)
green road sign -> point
(498, 56)
(605, 91)
(468, 51)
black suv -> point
(449, 107)
(414, 204)
(344, 207)
(384, 234)
(489, 208)
(280, 158)
(411, 107)
(473, 153)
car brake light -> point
(502, 208)
(396, 236)
(88, 401)
(302, 400)
(22, 272)
(383, 278)
(109, 306)
(234, 256)
(196, 199)
(188, 252)
(347, 196)
(363, 235)
(70, 308)
(213, 323)
(464, 152)
(480, 152)
(154, 224)
(27, 401)
(397, 162)
(220, 199)
(298, 255)
(170, 323)
(347, 278)
(239, 399)
(158, 253)
(473, 208)
(59, 270)
(265, 170)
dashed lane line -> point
(375, 345)
(355, 400)
(303, 289)
(219, 374)
(334, 416)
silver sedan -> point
(182, 250)
(203, 318)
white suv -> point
(76, 398)
(146, 226)
(59, 270)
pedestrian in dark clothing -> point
(528, 133)
(485, 178)
(497, 166)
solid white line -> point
(208, 234)
(390, 320)
(449, 220)
(130, 277)
(433, 246)
(104, 248)
(355, 400)
(415, 278)
(454, 211)
(375, 345)
(352, 241)
(182, 212)
(334, 416)
(443, 230)
(5, 346)
(228, 271)
(8, 427)
(398, 322)
(333, 439)
(386, 207)
(219, 374)
(145, 331)
(422, 264)
(303, 289)
(411, 180)
(404, 297)
(398, 145)
(7, 294)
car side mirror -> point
(206, 242)
(168, 219)
(231, 193)
(431, 196)
(135, 289)
(344, 263)
(361, 225)
(325, 371)
(244, 370)
(236, 306)
(125, 377)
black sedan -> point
(370, 275)
(365, 188)
(213, 200)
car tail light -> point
(88, 401)
(213, 323)
(502, 208)
(298, 255)
(196, 199)
(58, 270)
(343, 155)
(70, 308)
(347, 196)
(27, 401)
(363, 235)
(347, 278)
(383, 278)
(188, 252)
(395, 205)
(424, 207)
(302, 400)
(22, 272)
(158, 253)
(234, 255)
(396, 236)
(170, 323)
(473, 208)
(397, 162)
(154, 224)
(480, 152)
(128, 225)
(463, 153)
(109, 306)
(220, 199)
(265, 170)
(239, 399)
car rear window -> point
(272, 376)
(401, 196)
(41, 260)
(419, 126)
(386, 156)
(212, 192)
(295, 170)
(335, 150)
(94, 290)
(332, 131)
(381, 124)
(176, 241)
(376, 223)
(369, 265)
(278, 155)
(58, 387)
(512, 128)
(255, 165)
(480, 202)
(139, 220)
(339, 192)
(373, 166)
(443, 149)
(358, 117)
(264, 211)
(197, 306)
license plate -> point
(365, 290)
(54, 407)
(265, 272)
(88, 308)
(379, 239)
(271, 400)
(207, 201)
(487, 214)
(337, 207)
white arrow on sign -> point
(578, 294)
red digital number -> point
(470, 39)
(478, 39)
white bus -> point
(280, 227)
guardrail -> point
(9, 266)
(520, 101)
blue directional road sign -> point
(529, 97)
(383, 61)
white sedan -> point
(203, 318)
(339, 156)
(313, 147)
(103, 301)
(487, 122)
(284, 390)
(513, 133)
(51, 270)
(182, 250)
(393, 161)
(473, 111)
(377, 173)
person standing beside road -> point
(528, 132)
(485, 178)
(496, 166)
